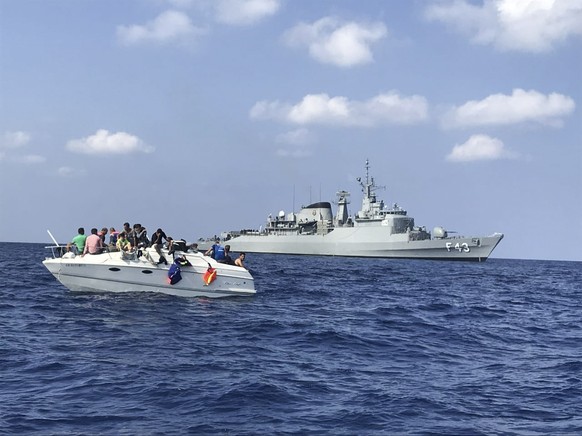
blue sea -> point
(328, 346)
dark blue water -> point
(327, 346)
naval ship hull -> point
(373, 231)
(359, 242)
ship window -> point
(114, 269)
(147, 271)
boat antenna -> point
(53, 238)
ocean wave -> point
(327, 346)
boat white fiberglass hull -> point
(108, 272)
(368, 242)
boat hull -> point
(354, 242)
(108, 272)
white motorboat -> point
(121, 272)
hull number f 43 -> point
(460, 247)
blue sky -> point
(202, 116)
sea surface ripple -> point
(334, 346)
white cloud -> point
(322, 109)
(513, 25)
(244, 12)
(11, 143)
(15, 139)
(519, 107)
(103, 142)
(480, 147)
(330, 41)
(169, 26)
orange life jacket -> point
(209, 276)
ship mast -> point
(369, 187)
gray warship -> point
(374, 231)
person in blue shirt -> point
(216, 251)
(113, 235)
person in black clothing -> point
(141, 235)
(132, 235)
(227, 259)
(157, 242)
(138, 236)
(128, 230)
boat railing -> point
(57, 251)
(60, 250)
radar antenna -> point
(369, 187)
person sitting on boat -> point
(78, 243)
(216, 251)
(239, 260)
(227, 259)
(127, 229)
(93, 244)
(113, 235)
(157, 242)
(123, 243)
(140, 236)
(103, 234)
